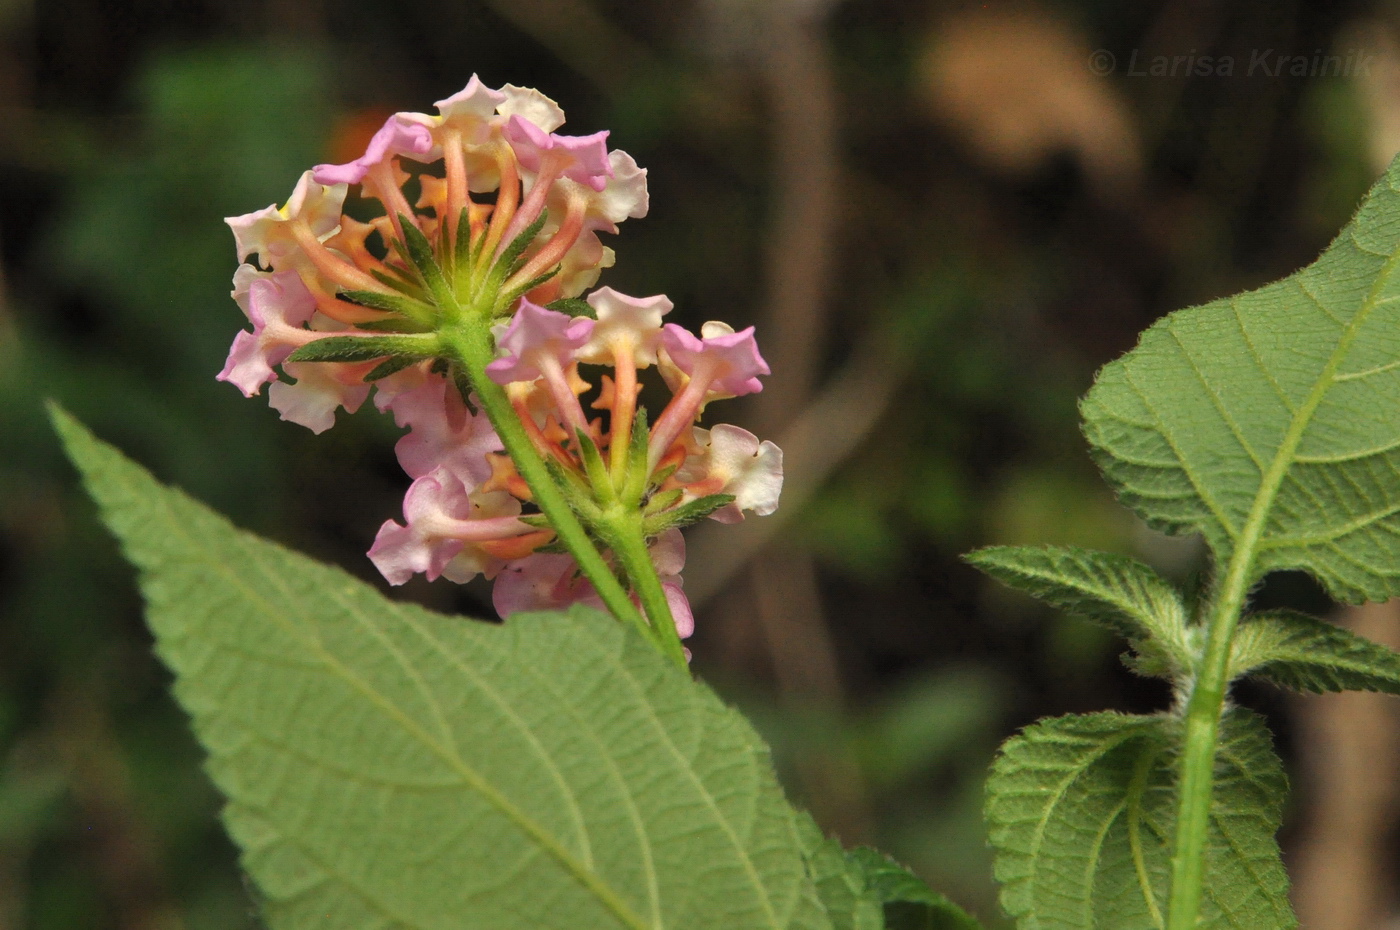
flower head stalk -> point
(457, 302)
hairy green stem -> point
(470, 343)
(1196, 780)
(629, 545)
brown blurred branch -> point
(790, 48)
(1343, 878)
(824, 434)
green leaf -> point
(1081, 811)
(573, 306)
(839, 882)
(390, 767)
(1266, 421)
(388, 367)
(378, 300)
(686, 514)
(509, 261)
(365, 348)
(1293, 650)
(1113, 590)
(908, 903)
(419, 251)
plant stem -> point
(470, 343)
(1196, 780)
(629, 545)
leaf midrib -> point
(602, 892)
(1240, 571)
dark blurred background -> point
(942, 218)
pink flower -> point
(730, 361)
(542, 581)
(549, 581)
(279, 306)
(579, 158)
(722, 363)
(540, 343)
(400, 135)
(733, 461)
(321, 388)
(631, 324)
(624, 196)
(442, 432)
(268, 234)
(447, 523)
(535, 340)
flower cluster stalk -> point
(469, 342)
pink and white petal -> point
(680, 609)
(243, 279)
(267, 233)
(316, 395)
(280, 297)
(667, 552)
(398, 553)
(543, 581)
(735, 356)
(475, 102)
(636, 319)
(530, 104)
(625, 195)
(251, 231)
(753, 470)
(320, 205)
(399, 135)
(247, 368)
(533, 330)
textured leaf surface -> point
(387, 767)
(909, 904)
(1267, 421)
(1293, 650)
(1113, 590)
(839, 882)
(1081, 817)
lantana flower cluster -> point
(457, 299)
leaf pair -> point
(1270, 423)
(1285, 648)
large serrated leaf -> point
(1267, 421)
(387, 767)
(1293, 650)
(1081, 814)
(1113, 590)
(839, 882)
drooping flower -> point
(400, 135)
(448, 531)
(732, 461)
(271, 233)
(443, 432)
(279, 306)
